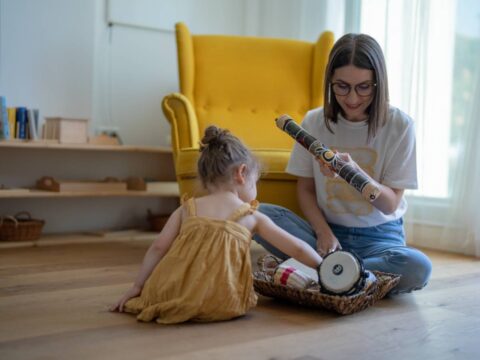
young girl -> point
(199, 267)
(379, 140)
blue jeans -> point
(381, 247)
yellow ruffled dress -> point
(206, 274)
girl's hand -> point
(134, 291)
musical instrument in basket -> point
(343, 273)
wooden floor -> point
(54, 299)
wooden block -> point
(136, 183)
(51, 184)
(13, 191)
(70, 131)
(155, 186)
(103, 139)
(111, 234)
(140, 184)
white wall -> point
(62, 57)
(46, 55)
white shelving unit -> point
(23, 163)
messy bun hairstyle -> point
(220, 153)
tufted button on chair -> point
(242, 84)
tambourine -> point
(343, 273)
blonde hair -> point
(220, 153)
(364, 52)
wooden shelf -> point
(170, 190)
(84, 147)
(83, 238)
(24, 162)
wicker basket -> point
(263, 284)
(20, 227)
(157, 221)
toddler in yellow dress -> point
(199, 267)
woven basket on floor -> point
(157, 221)
(263, 284)
(20, 227)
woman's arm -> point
(389, 198)
(307, 198)
(285, 242)
(154, 254)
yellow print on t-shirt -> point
(342, 198)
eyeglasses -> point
(343, 89)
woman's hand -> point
(327, 243)
(134, 291)
(327, 170)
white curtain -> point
(419, 41)
(466, 183)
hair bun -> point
(220, 153)
(214, 136)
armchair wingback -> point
(242, 84)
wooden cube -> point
(66, 131)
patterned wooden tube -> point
(365, 185)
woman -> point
(358, 122)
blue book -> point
(4, 124)
(21, 123)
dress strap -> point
(244, 209)
(184, 198)
(190, 206)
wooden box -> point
(157, 221)
(107, 185)
(139, 184)
(66, 131)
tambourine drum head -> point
(340, 272)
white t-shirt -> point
(390, 159)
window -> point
(432, 49)
(465, 72)
(418, 41)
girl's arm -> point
(154, 254)
(285, 242)
(307, 198)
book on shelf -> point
(21, 123)
(32, 120)
(4, 124)
(18, 122)
(12, 118)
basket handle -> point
(11, 218)
(268, 263)
(23, 213)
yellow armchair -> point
(242, 84)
